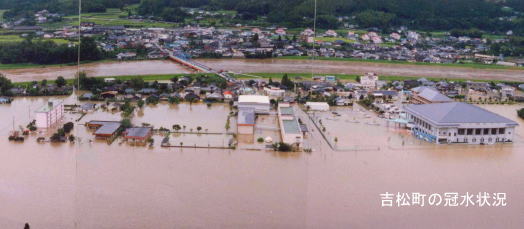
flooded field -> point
(264, 66)
(96, 185)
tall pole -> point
(79, 41)
(314, 35)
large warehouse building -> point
(459, 123)
(259, 103)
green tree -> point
(5, 85)
(60, 81)
(373, 18)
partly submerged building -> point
(317, 106)
(246, 121)
(457, 122)
(49, 114)
(138, 134)
(289, 126)
(104, 129)
(259, 103)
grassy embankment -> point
(352, 77)
(274, 76)
(465, 65)
(29, 65)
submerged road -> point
(265, 66)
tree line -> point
(26, 8)
(48, 52)
(417, 14)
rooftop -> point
(49, 106)
(138, 132)
(291, 126)
(253, 99)
(108, 128)
(287, 111)
(246, 116)
(431, 94)
(456, 113)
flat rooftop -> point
(287, 110)
(49, 106)
(253, 99)
(291, 126)
(246, 116)
(456, 113)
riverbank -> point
(273, 76)
(348, 69)
(463, 65)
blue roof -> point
(246, 116)
(455, 113)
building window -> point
(494, 131)
(486, 131)
(461, 132)
(478, 131)
(470, 131)
(501, 130)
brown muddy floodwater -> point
(265, 66)
(96, 185)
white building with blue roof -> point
(457, 122)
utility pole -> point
(314, 35)
(79, 41)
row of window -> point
(481, 140)
(483, 131)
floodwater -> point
(95, 185)
(264, 66)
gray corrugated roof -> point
(455, 112)
(431, 94)
(108, 128)
(140, 132)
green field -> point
(10, 38)
(2, 15)
(465, 65)
(112, 17)
(348, 77)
